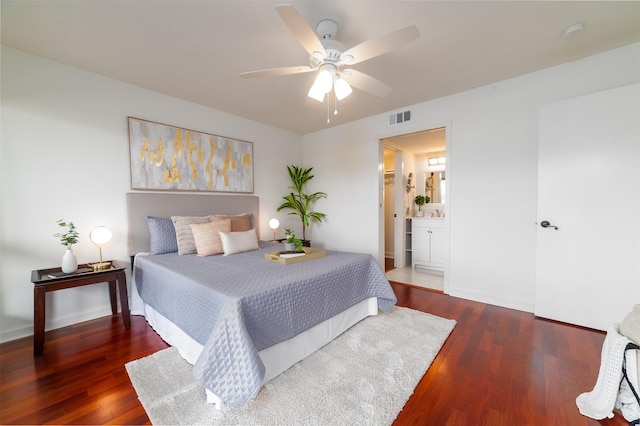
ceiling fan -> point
(332, 60)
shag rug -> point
(364, 377)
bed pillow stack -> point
(200, 234)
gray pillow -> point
(162, 235)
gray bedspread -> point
(238, 305)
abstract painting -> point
(170, 158)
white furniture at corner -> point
(427, 243)
(407, 243)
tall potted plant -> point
(300, 202)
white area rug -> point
(364, 377)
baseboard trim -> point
(26, 331)
(520, 305)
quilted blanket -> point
(237, 305)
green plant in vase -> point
(68, 239)
(293, 243)
(420, 200)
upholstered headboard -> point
(143, 204)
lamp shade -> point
(316, 93)
(321, 85)
(100, 235)
(274, 224)
(324, 80)
(342, 89)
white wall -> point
(494, 136)
(65, 154)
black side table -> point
(52, 279)
(305, 243)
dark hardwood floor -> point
(498, 367)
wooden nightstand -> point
(45, 280)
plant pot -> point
(69, 262)
(290, 247)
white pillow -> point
(238, 242)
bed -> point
(240, 319)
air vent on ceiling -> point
(400, 117)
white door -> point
(587, 270)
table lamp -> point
(274, 224)
(100, 235)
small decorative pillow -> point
(239, 222)
(184, 236)
(238, 242)
(162, 235)
(206, 236)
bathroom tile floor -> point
(419, 277)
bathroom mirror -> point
(434, 186)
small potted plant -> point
(292, 243)
(287, 233)
(420, 200)
(68, 239)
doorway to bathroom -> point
(415, 165)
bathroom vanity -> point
(427, 242)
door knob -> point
(546, 224)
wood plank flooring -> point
(498, 367)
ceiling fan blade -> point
(379, 45)
(366, 83)
(301, 30)
(277, 71)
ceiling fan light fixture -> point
(316, 92)
(342, 88)
(322, 84)
(324, 80)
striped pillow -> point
(184, 235)
(206, 237)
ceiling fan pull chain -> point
(328, 101)
(335, 103)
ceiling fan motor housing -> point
(327, 28)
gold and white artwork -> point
(170, 158)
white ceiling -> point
(419, 143)
(195, 50)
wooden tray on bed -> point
(309, 254)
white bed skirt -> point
(277, 358)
